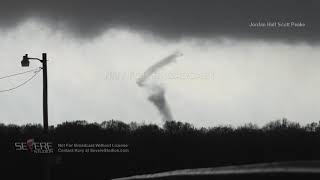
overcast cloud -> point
(171, 19)
(255, 74)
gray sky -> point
(171, 19)
(236, 74)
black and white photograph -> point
(159, 89)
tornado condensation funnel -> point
(157, 66)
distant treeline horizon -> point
(283, 123)
(175, 145)
(132, 124)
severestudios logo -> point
(32, 146)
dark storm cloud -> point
(172, 19)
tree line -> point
(175, 145)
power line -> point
(25, 82)
(33, 70)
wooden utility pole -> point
(45, 92)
